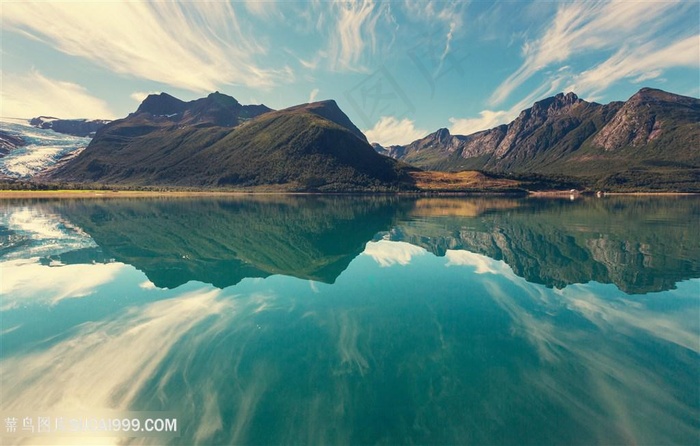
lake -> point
(352, 320)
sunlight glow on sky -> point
(399, 69)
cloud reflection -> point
(387, 253)
(105, 364)
(482, 264)
(28, 282)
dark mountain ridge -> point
(653, 137)
(216, 109)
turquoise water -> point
(340, 320)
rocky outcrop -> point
(9, 142)
(645, 117)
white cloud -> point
(313, 94)
(487, 119)
(389, 130)
(387, 253)
(579, 27)
(192, 45)
(33, 94)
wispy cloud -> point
(354, 33)
(194, 45)
(389, 130)
(440, 24)
(581, 27)
(313, 94)
(641, 63)
(32, 94)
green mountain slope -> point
(307, 147)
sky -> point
(399, 69)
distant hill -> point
(651, 141)
(75, 127)
(217, 142)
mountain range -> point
(650, 141)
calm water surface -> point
(337, 320)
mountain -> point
(75, 127)
(217, 142)
(650, 141)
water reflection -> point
(640, 245)
(360, 342)
(223, 241)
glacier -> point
(44, 149)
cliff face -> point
(645, 117)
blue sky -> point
(399, 69)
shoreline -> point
(89, 193)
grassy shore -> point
(112, 193)
(90, 193)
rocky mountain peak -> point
(442, 135)
(645, 117)
(161, 104)
(330, 110)
(554, 104)
(223, 99)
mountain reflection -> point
(222, 241)
(640, 245)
